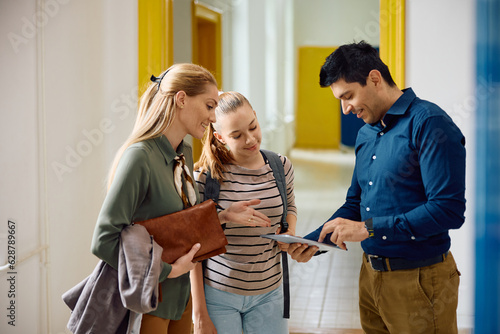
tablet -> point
(291, 239)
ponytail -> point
(214, 156)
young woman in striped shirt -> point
(240, 291)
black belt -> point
(380, 263)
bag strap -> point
(279, 174)
(212, 188)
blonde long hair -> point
(214, 153)
(157, 105)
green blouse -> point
(143, 188)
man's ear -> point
(219, 137)
(180, 99)
(375, 77)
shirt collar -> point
(166, 148)
(402, 104)
(399, 108)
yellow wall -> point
(318, 111)
(155, 31)
(392, 38)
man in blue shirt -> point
(407, 191)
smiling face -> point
(363, 101)
(240, 131)
(197, 112)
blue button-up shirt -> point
(409, 178)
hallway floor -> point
(324, 291)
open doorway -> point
(382, 24)
(207, 48)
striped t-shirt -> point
(251, 265)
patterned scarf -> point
(182, 171)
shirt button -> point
(367, 209)
(412, 237)
(370, 183)
(381, 133)
(374, 157)
(384, 237)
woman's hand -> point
(202, 322)
(242, 213)
(203, 325)
(185, 263)
(283, 245)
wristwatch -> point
(369, 227)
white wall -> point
(336, 22)
(183, 49)
(440, 57)
(19, 178)
(69, 94)
(91, 50)
(248, 47)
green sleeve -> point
(127, 191)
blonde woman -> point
(240, 291)
(141, 184)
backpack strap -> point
(212, 188)
(279, 174)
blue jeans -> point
(260, 314)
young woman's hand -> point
(185, 263)
(242, 213)
(203, 325)
(283, 245)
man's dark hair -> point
(353, 62)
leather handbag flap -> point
(177, 232)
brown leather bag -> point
(177, 232)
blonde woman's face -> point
(199, 111)
(240, 131)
